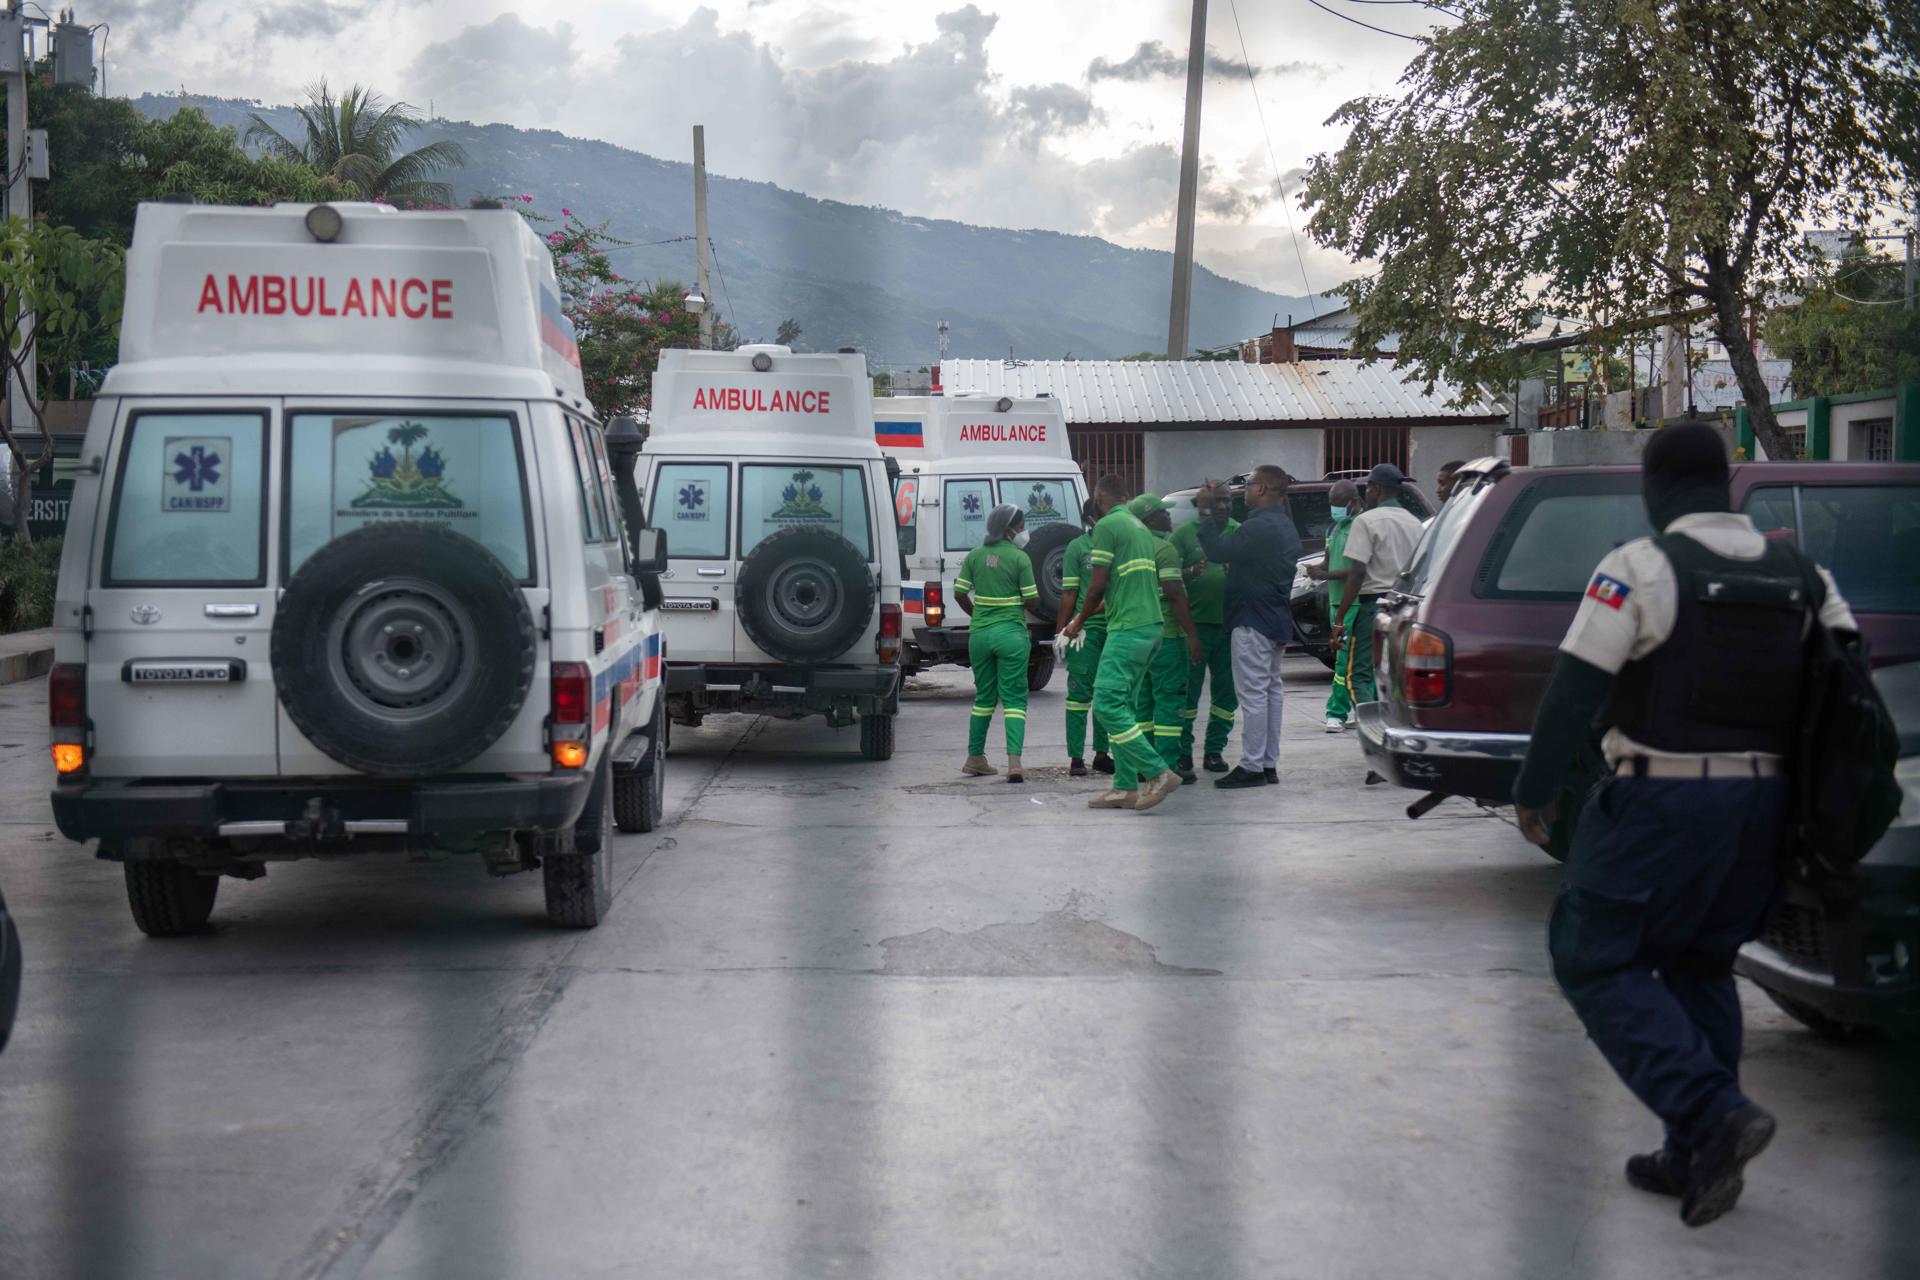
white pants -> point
(1256, 679)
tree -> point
(355, 140)
(58, 292)
(788, 332)
(1610, 160)
(1850, 332)
(94, 180)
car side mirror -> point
(909, 539)
(650, 550)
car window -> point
(593, 515)
(604, 473)
(695, 496)
(1867, 535)
(1560, 528)
(187, 504)
(966, 503)
(1312, 513)
(1043, 501)
(348, 471)
(1432, 550)
(773, 498)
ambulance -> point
(352, 566)
(959, 457)
(781, 594)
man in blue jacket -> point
(1260, 556)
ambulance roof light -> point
(762, 362)
(1003, 404)
(324, 223)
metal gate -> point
(1363, 448)
(1100, 452)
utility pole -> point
(1913, 257)
(702, 250)
(1182, 307)
(19, 204)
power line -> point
(1279, 180)
(733, 317)
(1399, 35)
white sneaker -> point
(1335, 724)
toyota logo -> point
(145, 614)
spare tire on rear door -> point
(805, 595)
(1047, 548)
(403, 649)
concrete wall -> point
(1429, 447)
(1182, 459)
(1595, 448)
(1846, 432)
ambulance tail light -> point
(933, 604)
(570, 725)
(67, 716)
(889, 641)
(1427, 667)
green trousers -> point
(1340, 697)
(1083, 664)
(1163, 697)
(999, 658)
(1116, 696)
(1215, 667)
(1360, 650)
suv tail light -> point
(889, 643)
(1426, 667)
(570, 726)
(934, 604)
(67, 715)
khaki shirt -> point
(1383, 539)
(1633, 600)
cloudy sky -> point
(1060, 114)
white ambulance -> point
(960, 456)
(782, 588)
(351, 565)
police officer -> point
(1083, 659)
(1691, 646)
(995, 587)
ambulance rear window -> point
(776, 498)
(187, 504)
(1043, 501)
(346, 471)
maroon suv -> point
(1465, 646)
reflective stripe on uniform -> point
(1102, 557)
(1079, 706)
(1135, 566)
(993, 600)
(1219, 713)
(1120, 739)
(1014, 713)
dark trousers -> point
(1666, 879)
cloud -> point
(503, 62)
(1155, 61)
(1048, 110)
(301, 21)
(165, 16)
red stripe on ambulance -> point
(373, 298)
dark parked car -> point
(1464, 647)
(1841, 973)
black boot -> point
(1102, 762)
(1187, 776)
(1241, 778)
(1715, 1174)
(1653, 1172)
(1272, 776)
(1076, 768)
(1213, 763)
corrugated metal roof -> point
(1147, 391)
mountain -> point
(850, 274)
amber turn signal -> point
(69, 757)
(570, 755)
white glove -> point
(1075, 641)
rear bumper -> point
(1481, 766)
(785, 691)
(939, 644)
(116, 810)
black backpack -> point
(1843, 794)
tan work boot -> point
(1111, 799)
(1013, 770)
(1156, 789)
(977, 767)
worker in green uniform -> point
(1163, 697)
(995, 587)
(1125, 580)
(1083, 659)
(1343, 503)
(1207, 599)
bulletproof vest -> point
(1728, 678)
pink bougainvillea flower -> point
(566, 213)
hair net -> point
(1000, 519)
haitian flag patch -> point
(1610, 592)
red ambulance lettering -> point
(356, 303)
(293, 296)
(756, 400)
(1004, 432)
(273, 295)
(443, 299)
(308, 296)
(210, 294)
(384, 293)
(321, 304)
(406, 293)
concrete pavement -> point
(854, 1019)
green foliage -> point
(788, 333)
(186, 154)
(94, 179)
(28, 573)
(355, 141)
(1850, 332)
(1608, 159)
(60, 290)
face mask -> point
(1338, 513)
(1020, 538)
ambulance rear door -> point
(179, 606)
(691, 498)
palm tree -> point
(355, 140)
